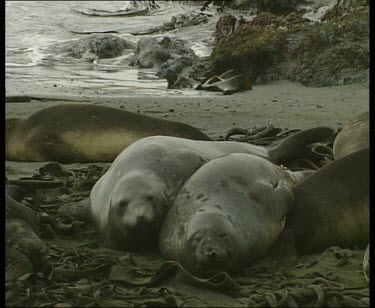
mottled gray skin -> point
(332, 206)
(228, 214)
(354, 136)
(130, 201)
(84, 133)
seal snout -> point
(139, 214)
(211, 254)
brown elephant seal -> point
(228, 214)
(25, 251)
(15, 192)
(129, 202)
(354, 136)
(331, 207)
(84, 133)
(19, 211)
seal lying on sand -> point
(25, 251)
(84, 133)
(331, 207)
(353, 137)
(129, 202)
(228, 213)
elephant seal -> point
(129, 202)
(84, 133)
(25, 251)
(19, 211)
(15, 192)
(228, 214)
(353, 137)
(331, 207)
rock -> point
(224, 26)
(277, 7)
(290, 47)
(170, 56)
(257, 48)
(94, 45)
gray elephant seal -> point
(331, 207)
(84, 133)
(354, 136)
(228, 214)
(130, 201)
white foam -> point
(36, 55)
(19, 64)
(201, 50)
(317, 9)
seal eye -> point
(149, 198)
(196, 239)
(224, 235)
(123, 204)
(275, 184)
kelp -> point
(81, 272)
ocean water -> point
(34, 28)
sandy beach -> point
(283, 104)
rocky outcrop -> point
(93, 46)
(251, 49)
(169, 56)
(290, 47)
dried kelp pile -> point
(80, 271)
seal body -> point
(25, 251)
(228, 213)
(129, 202)
(332, 206)
(353, 137)
(84, 133)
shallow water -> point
(33, 26)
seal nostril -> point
(123, 204)
(211, 254)
(149, 198)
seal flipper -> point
(299, 145)
(284, 251)
(59, 152)
(80, 210)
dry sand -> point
(282, 103)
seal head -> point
(212, 243)
(135, 214)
